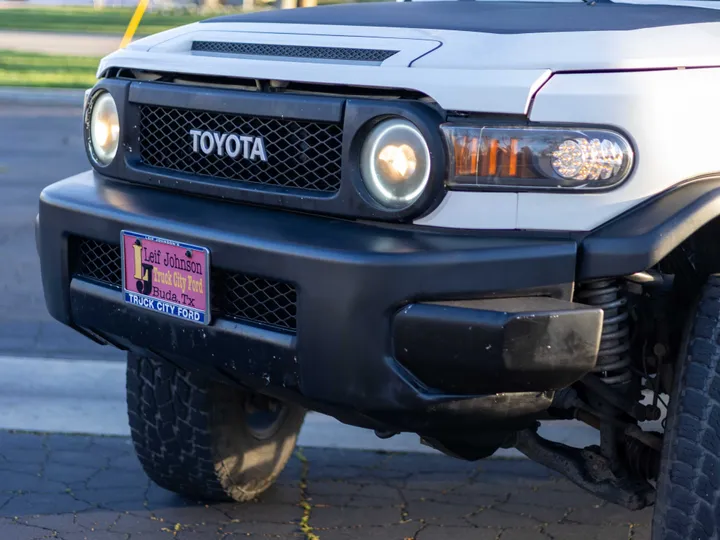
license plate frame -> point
(169, 300)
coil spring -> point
(642, 460)
(613, 365)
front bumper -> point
(396, 328)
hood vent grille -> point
(293, 51)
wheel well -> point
(694, 259)
(689, 264)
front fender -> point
(644, 235)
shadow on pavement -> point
(72, 488)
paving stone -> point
(96, 535)
(112, 478)
(84, 458)
(140, 525)
(28, 468)
(63, 473)
(441, 512)
(639, 532)
(93, 488)
(68, 442)
(269, 512)
(397, 531)
(477, 501)
(541, 514)
(497, 519)
(20, 532)
(191, 514)
(62, 523)
(262, 529)
(157, 497)
(32, 504)
(545, 494)
(96, 519)
(587, 532)
(337, 517)
(127, 461)
(282, 494)
(335, 488)
(114, 499)
(376, 491)
(435, 532)
(606, 514)
(28, 482)
(25, 455)
(12, 441)
(524, 534)
(350, 501)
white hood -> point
(476, 56)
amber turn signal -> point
(536, 157)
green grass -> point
(109, 20)
(89, 20)
(49, 71)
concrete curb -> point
(41, 96)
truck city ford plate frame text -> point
(166, 276)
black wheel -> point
(688, 494)
(204, 439)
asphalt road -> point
(92, 488)
(39, 145)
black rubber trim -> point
(488, 17)
(494, 345)
(643, 236)
(315, 108)
(351, 277)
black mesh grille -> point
(256, 299)
(301, 155)
(234, 295)
(99, 261)
(294, 51)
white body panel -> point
(671, 116)
(501, 90)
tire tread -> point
(688, 500)
(185, 426)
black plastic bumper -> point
(390, 332)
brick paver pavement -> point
(77, 488)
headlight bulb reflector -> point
(395, 163)
(104, 129)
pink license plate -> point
(166, 276)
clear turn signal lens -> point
(536, 158)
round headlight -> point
(395, 163)
(104, 129)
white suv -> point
(448, 218)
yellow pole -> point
(134, 23)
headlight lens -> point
(395, 163)
(535, 157)
(104, 129)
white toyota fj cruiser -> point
(448, 218)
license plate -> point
(166, 276)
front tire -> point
(204, 439)
(688, 497)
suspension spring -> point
(642, 460)
(613, 364)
